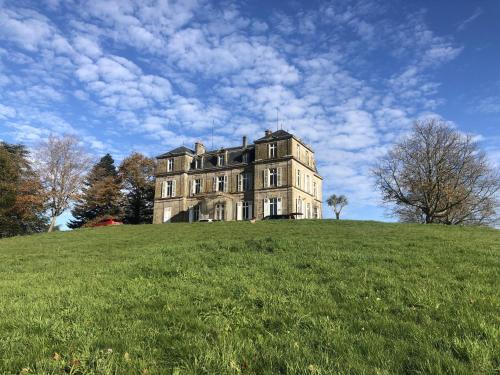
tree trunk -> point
(337, 215)
(52, 224)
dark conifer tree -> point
(101, 195)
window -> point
(272, 206)
(298, 207)
(316, 212)
(220, 160)
(244, 182)
(315, 191)
(298, 152)
(197, 186)
(308, 184)
(170, 165)
(244, 157)
(219, 211)
(247, 210)
(196, 213)
(167, 214)
(307, 157)
(219, 183)
(198, 163)
(271, 150)
(298, 178)
(308, 211)
(168, 189)
(273, 177)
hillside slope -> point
(300, 297)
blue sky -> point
(348, 77)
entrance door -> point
(167, 214)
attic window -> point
(170, 165)
(220, 160)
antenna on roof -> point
(277, 118)
(212, 134)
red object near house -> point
(106, 222)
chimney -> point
(199, 148)
(268, 132)
(244, 141)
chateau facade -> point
(275, 175)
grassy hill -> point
(303, 297)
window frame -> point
(272, 150)
(170, 165)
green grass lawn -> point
(298, 297)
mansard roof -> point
(176, 151)
(234, 156)
(277, 135)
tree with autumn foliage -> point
(21, 193)
(137, 175)
(101, 195)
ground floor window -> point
(167, 214)
(316, 212)
(219, 211)
(273, 206)
(196, 213)
(247, 210)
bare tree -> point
(61, 163)
(438, 175)
(338, 202)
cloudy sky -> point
(348, 77)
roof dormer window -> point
(220, 160)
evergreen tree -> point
(101, 195)
(21, 194)
(137, 176)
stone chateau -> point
(275, 175)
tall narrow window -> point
(196, 213)
(273, 206)
(221, 183)
(315, 190)
(244, 182)
(244, 157)
(308, 185)
(273, 177)
(307, 157)
(272, 150)
(298, 179)
(170, 165)
(247, 210)
(220, 160)
(298, 151)
(219, 211)
(197, 186)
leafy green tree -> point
(21, 194)
(101, 195)
(337, 202)
(137, 176)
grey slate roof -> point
(234, 156)
(278, 134)
(176, 151)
